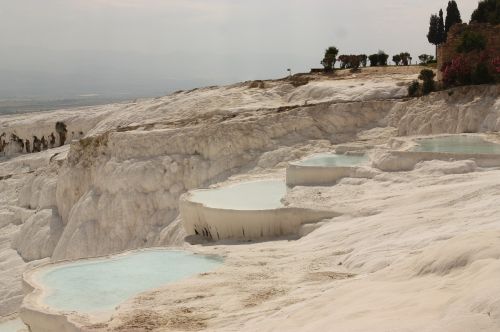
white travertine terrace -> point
(404, 158)
(119, 188)
(43, 310)
(297, 175)
(324, 173)
(222, 221)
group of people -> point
(26, 146)
(18, 145)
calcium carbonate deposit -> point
(101, 284)
(411, 248)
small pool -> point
(457, 144)
(333, 160)
(12, 325)
(255, 195)
(102, 284)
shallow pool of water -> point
(332, 160)
(12, 325)
(457, 144)
(255, 195)
(102, 284)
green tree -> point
(373, 60)
(405, 58)
(488, 11)
(396, 59)
(441, 27)
(330, 58)
(436, 30)
(452, 16)
(363, 58)
(382, 58)
(425, 58)
(481, 74)
(354, 62)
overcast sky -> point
(151, 47)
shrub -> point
(464, 70)
(481, 74)
(414, 89)
(457, 72)
(427, 76)
(471, 41)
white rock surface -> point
(39, 235)
(118, 188)
(417, 252)
(463, 110)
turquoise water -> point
(255, 195)
(457, 144)
(332, 160)
(12, 325)
(102, 284)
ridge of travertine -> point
(118, 188)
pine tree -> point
(452, 16)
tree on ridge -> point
(330, 58)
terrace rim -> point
(40, 317)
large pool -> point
(457, 144)
(12, 325)
(333, 160)
(102, 284)
(255, 195)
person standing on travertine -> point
(36, 144)
(52, 140)
(44, 143)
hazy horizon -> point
(131, 48)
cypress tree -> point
(432, 35)
(452, 16)
(488, 11)
(436, 31)
(441, 28)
